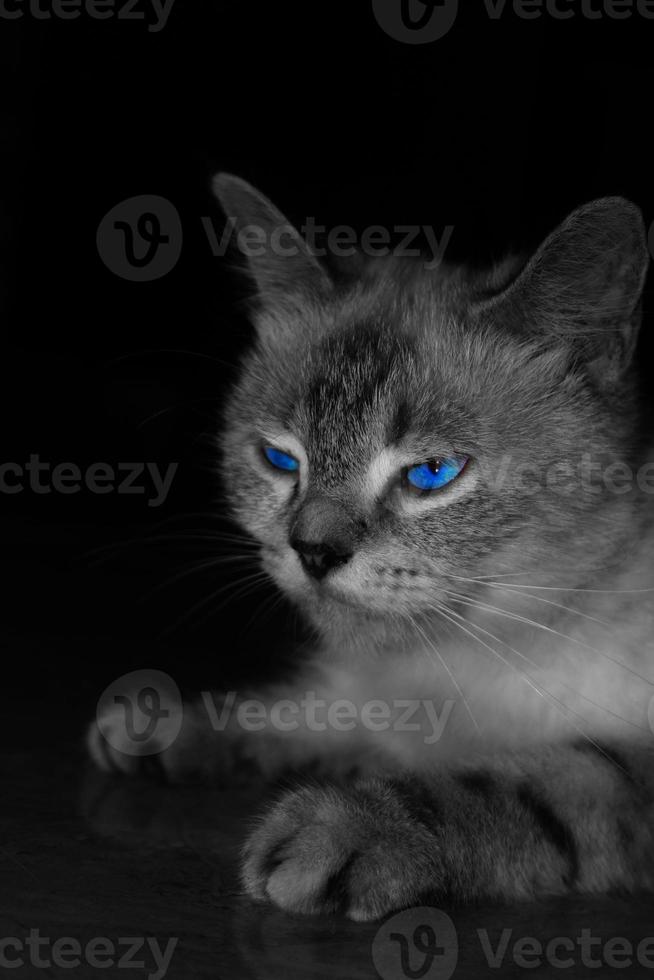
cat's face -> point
(355, 412)
(387, 446)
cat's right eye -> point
(435, 474)
(280, 460)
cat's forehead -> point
(357, 395)
(356, 366)
(372, 383)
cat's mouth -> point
(330, 592)
(367, 589)
(369, 598)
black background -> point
(499, 129)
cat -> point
(406, 446)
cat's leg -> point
(568, 818)
(237, 738)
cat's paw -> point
(359, 850)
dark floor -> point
(87, 856)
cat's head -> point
(397, 437)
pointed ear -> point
(279, 259)
(582, 288)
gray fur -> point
(532, 605)
(531, 374)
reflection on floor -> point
(86, 856)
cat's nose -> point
(323, 536)
(318, 559)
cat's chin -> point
(348, 627)
(323, 603)
(330, 608)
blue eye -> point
(435, 474)
(280, 460)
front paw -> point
(363, 850)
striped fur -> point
(522, 826)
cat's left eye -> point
(281, 460)
(435, 473)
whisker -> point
(107, 551)
(483, 580)
(449, 671)
(265, 610)
(549, 602)
(197, 566)
(254, 577)
(167, 350)
(555, 588)
(250, 589)
(472, 603)
(172, 408)
(542, 692)
(516, 617)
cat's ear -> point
(583, 288)
(279, 259)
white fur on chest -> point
(445, 700)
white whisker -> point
(544, 693)
(516, 617)
(472, 603)
(447, 668)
